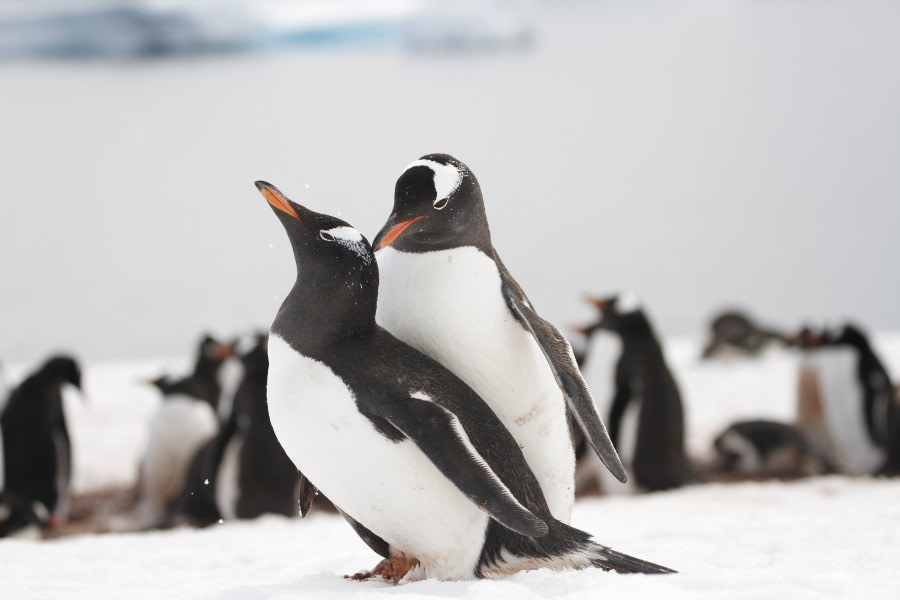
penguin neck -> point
(310, 323)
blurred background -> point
(703, 153)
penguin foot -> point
(390, 569)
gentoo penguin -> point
(846, 398)
(646, 396)
(36, 445)
(255, 476)
(445, 292)
(734, 331)
(185, 421)
(764, 449)
(416, 461)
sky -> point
(700, 153)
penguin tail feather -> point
(595, 555)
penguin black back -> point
(659, 460)
(37, 448)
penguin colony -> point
(413, 382)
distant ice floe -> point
(148, 28)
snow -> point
(827, 537)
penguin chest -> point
(449, 305)
(389, 487)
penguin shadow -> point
(335, 585)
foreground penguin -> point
(646, 417)
(846, 400)
(446, 293)
(36, 446)
(414, 459)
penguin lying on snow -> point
(734, 331)
(36, 447)
(646, 395)
(446, 293)
(846, 400)
(414, 459)
(762, 449)
(185, 421)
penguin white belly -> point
(389, 487)
(449, 305)
(228, 487)
(842, 400)
(178, 430)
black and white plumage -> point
(763, 449)
(414, 459)
(445, 292)
(846, 400)
(733, 331)
(185, 421)
(646, 417)
(254, 475)
(36, 447)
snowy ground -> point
(832, 537)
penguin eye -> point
(439, 204)
(326, 236)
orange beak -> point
(597, 302)
(274, 197)
(394, 232)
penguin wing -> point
(438, 433)
(307, 493)
(559, 354)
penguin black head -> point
(437, 205)
(62, 369)
(253, 352)
(622, 313)
(846, 335)
(334, 261)
(211, 354)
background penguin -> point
(446, 293)
(734, 331)
(410, 454)
(846, 399)
(646, 418)
(36, 445)
(255, 476)
(763, 449)
(185, 421)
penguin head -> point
(622, 313)
(62, 369)
(336, 269)
(846, 335)
(253, 352)
(211, 353)
(437, 205)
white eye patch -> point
(446, 179)
(348, 238)
(628, 302)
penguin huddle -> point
(36, 456)
(413, 382)
(212, 454)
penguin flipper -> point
(439, 434)
(562, 362)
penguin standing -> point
(184, 423)
(255, 476)
(446, 293)
(416, 461)
(646, 417)
(846, 399)
(763, 449)
(37, 448)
